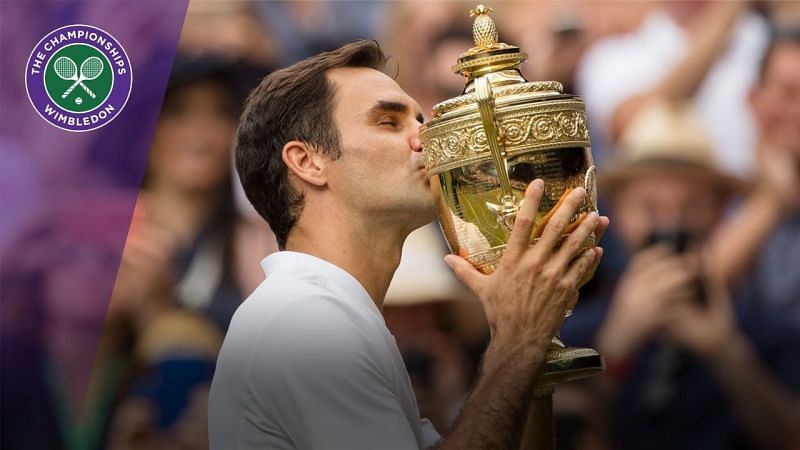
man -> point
(329, 153)
(690, 367)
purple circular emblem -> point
(78, 78)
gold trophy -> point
(485, 146)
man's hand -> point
(527, 296)
(655, 281)
(525, 300)
(145, 275)
(708, 330)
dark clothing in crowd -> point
(777, 276)
(668, 399)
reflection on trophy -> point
(484, 147)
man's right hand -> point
(526, 298)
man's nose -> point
(416, 144)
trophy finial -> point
(488, 55)
(484, 31)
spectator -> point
(185, 215)
(691, 368)
(165, 405)
(762, 242)
(706, 52)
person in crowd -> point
(436, 34)
(238, 33)
(761, 246)
(328, 152)
(302, 29)
(164, 404)
(185, 216)
(690, 367)
(176, 289)
(704, 52)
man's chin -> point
(425, 213)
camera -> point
(679, 241)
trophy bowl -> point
(485, 146)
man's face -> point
(381, 171)
(776, 100)
(658, 201)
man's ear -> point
(305, 162)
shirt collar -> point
(296, 263)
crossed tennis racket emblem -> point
(66, 69)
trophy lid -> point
(499, 114)
(500, 62)
(488, 55)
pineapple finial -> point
(484, 31)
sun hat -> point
(666, 137)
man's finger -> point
(466, 272)
(602, 226)
(571, 246)
(560, 221)
(598, 251)
(579, 266)
(520, 237)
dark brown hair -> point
(292, 104)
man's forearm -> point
(495, 413)
(538, 431)
(736, 243)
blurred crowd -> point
(694, 109)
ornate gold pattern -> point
(559, 353)
(500, 91)
(503, 61)
(552, 125)
(486, 258)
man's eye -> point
(388, 122)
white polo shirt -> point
(308, 363)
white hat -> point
(666, 137)
(423, 275)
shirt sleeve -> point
(430, 437)
(315, 374)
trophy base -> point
(569, 363)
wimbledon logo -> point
(78, 78)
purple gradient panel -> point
(67, 200)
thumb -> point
(466, 272)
